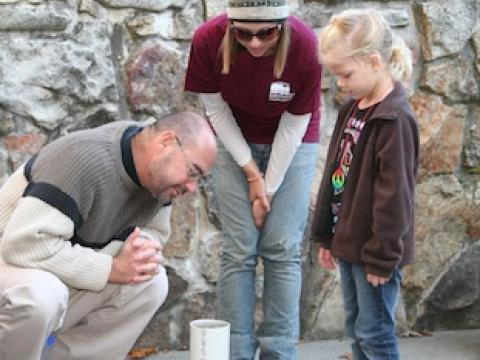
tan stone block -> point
(441, 134)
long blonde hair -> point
(360, 32)
(230, 46)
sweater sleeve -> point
(322, 218)
(10, 193)
(35, 237)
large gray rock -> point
(455, 301)
(211, 202)
(92, 117)
(155, 76)
(179, 25)
(4, 165)
(322, 315)
(158, 332)
(445, 25)
(7, 123)
(214, 7)
(441, 230)
(460, 286)
(88, 6)
(397, 17)
(176, 288)
(318, 13)
(184, 229)
(472, 142)
(170, 327)
(476, 44)
(209, 251)
(150, 5)
(464, 318)
(453, 78)
(315, 14)
(52, 16)
(22, 146)
(53, 81)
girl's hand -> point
(376, 280)
(325, 259)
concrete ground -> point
(444, 345)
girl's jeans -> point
(370, 313)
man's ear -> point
(165, 138)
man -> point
(81, 224)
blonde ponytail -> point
(401, 60)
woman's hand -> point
(257, 190)
(256, 183)
(260, 210)
(260, 201)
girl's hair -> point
(360, 32)
(230, 46)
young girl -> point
(257, 72)
(365, 207)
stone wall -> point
(73, 64)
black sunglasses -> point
(262, 35)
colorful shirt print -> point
(353, 129)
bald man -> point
(81, 224)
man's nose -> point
(191, 185)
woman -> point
(257, 73)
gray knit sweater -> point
(69, 209)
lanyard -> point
(351, 114)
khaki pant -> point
(88, 325)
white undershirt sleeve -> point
(289, 135)
(226, 127)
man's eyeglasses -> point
(194, 172)
(262, 35)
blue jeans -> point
(370, 313)
(277, 243)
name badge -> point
(280, 91)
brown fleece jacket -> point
(376, 220)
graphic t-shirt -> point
(353, 129)
(256, 97)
